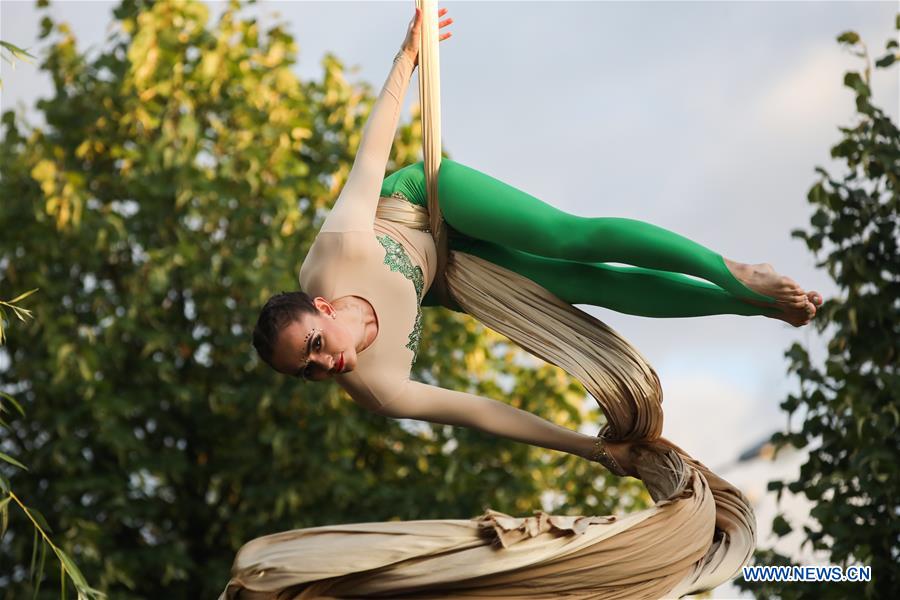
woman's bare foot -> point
(799, 317)
(794, 305)
(763, 279)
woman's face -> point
(314, 347)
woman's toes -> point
(809, 311)
(792, 286)
(794, 301)
(798, 316)
(813, 307)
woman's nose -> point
(325, 361)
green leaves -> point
(848, 37)
(13, 401)
(4, 515)
(14, 52)
(21, 313)
(36, 571)
(855, 82)
(850, 405)
(12, 461)
(888, 59)
(71, 569)
(820, 219)
(780, 526)
(40, 544)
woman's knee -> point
(577, 238)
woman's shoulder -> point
(343, 242)
(332, 248)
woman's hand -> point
(414, 34)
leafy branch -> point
(21, 313)
(851, 407)
(38, 558)
(15, 52)
(41, 539)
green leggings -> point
(565, 253)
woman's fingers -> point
(443, 24)
(415, 25)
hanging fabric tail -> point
(430, 107)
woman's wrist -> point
(600, 454)
(411, 55)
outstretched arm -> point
(355, 208)
(439, 405)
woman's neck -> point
(359, 317)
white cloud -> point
(807, 93)
(711, 411)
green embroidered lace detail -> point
(398, 260)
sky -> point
(706, 118)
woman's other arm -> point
(439, 405)
(355, 208)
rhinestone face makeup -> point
(311, 333)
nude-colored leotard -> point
(391, 267)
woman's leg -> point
(487, 209)
(629, 290)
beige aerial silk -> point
(430, 106)
(698, 534)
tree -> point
(42, 541)
(181, 177)
(851, 408)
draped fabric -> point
(698, 534)
(430, 107)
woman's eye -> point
(319, 343)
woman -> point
(366, 277)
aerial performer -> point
(518, 265)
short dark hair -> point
(279, 311)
